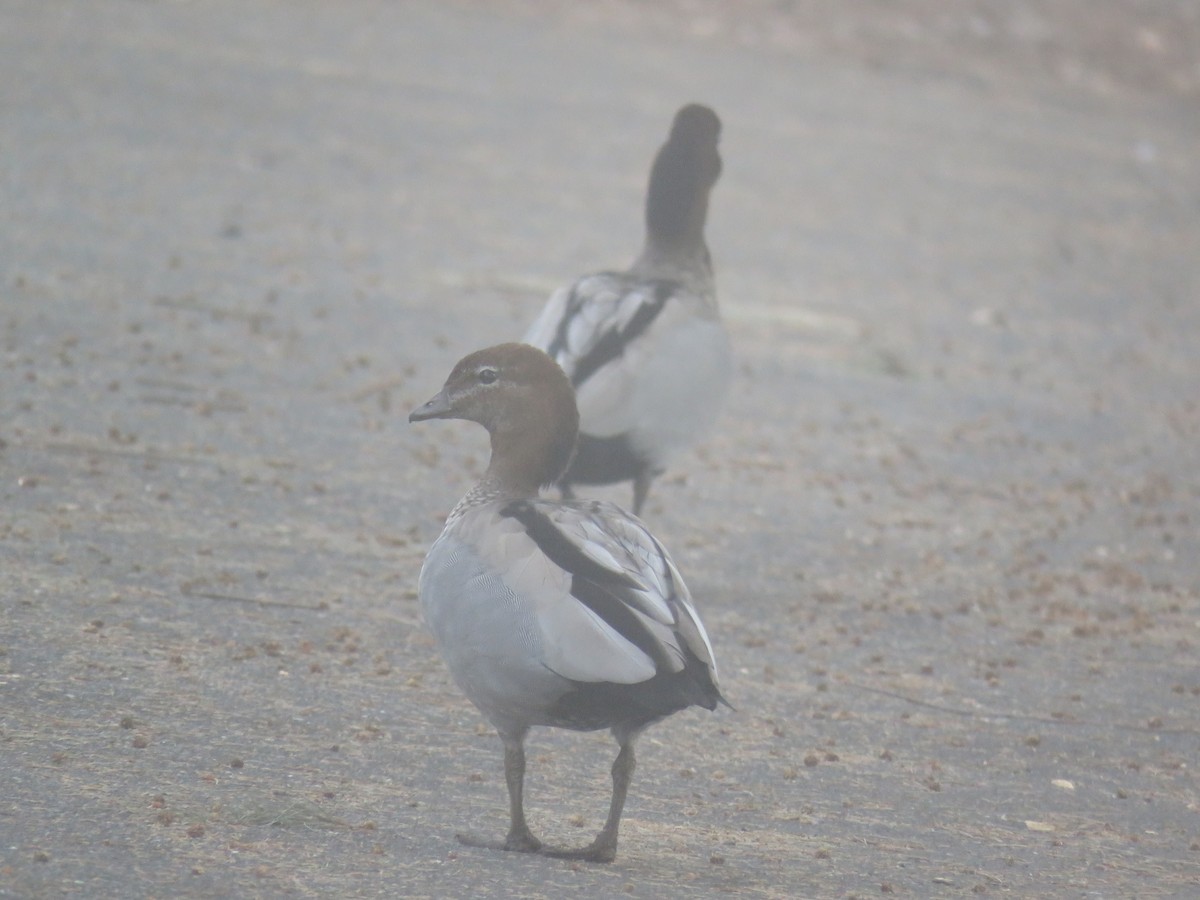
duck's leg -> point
(604, 847)
(519, 835)
(519, 838)
(641, 489)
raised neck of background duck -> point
(666, 251)
(677, 207)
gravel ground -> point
(945, 540)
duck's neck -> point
(525, 456)
(676, 211)
(687, 261)
(519, 466)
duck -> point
(560, 613)
(646, 349)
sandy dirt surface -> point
(945, 540)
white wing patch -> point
(580, 645)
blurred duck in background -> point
(645, 349)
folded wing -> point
(626, 616)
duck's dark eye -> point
(488, 375)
